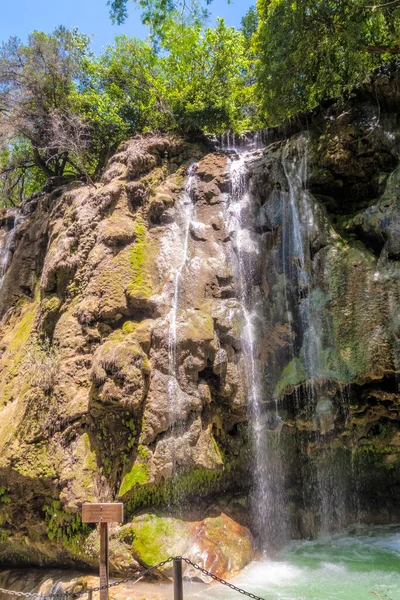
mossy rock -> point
(143, 263)
(156, 538)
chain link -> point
(76, 595)
(219, 579)
(135, 578)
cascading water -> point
(5, 249)
(185, 210)
(185, 207)
(304, 305)
(264, 424)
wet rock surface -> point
(121, 350)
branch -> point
(375, 6)
(15, 167)
(381, 49)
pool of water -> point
(359, 564)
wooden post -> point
(178, 582)
(104, 513)
(104, 557)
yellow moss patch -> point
(15, 340)
(138, 475)
(142, 261)
(36, 462)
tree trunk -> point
(39, 162)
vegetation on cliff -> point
(63, 110)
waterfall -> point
(245, 142)
(6, 249)
(311, 335)
(185, 210)
(298, 228)
(264, 424)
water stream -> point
(266, 497)
(185, 209)
(6, 249)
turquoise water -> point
(360, 564)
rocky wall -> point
(87, 364)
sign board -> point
(106, 512)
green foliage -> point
(4, 497)
(309, 51)
(250, 23)
(64, 526)
(39, 133)
(118, 95)
(64, 111)
(138, 475)
(197, 80)
(206, 72)
(156, 12)
(19, 176)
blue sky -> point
(19, 17)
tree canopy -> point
(311, 50)
(156, 12)
(36, 82)
(63, 110)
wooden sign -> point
(103, 513)
(106, 512)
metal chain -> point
(220, 580)
(75, 595)
(136, 577)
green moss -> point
(192, 483)
(64, 526)
(143, 451)
(360, 314)
(5, 500)
(85, 467)
(153, 537)
(138, 475)
(141, 259)
(215, 452)
(197, 325)
(16, 340)
(3, 536)
(36, 462)
(4, 497)
(379, 450)
(129, 326)
(293, 374)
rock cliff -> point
(123, 371)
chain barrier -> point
(220, 580)
(135, 578)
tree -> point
(250, 24)
(19, 175)
(206, 77)
(36, 82)
(309, 50)
(157, 12)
